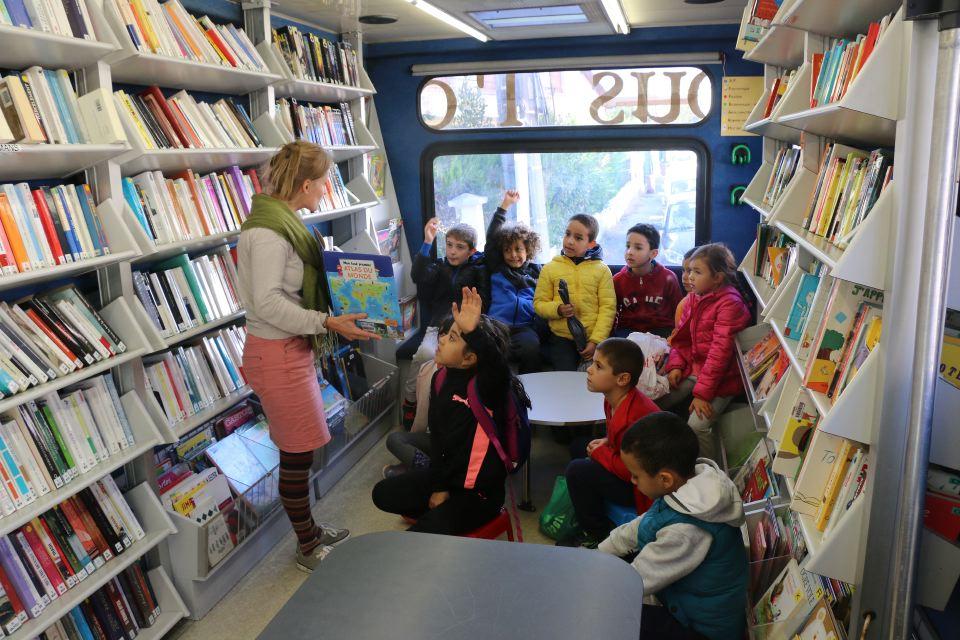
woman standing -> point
(281, 287)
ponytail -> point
(294, 164)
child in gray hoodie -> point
(688, 545)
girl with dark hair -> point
(464, 486)
(700, 368)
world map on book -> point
(361, 286)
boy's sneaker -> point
(331, 536)
(580, 539)
(408, 412)
(392, 470)
(308, 562)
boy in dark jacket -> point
(439, 282)
(647, 292)
(509, 252)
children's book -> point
(796, 436)
(786, 604)
(802, 304)
(333, 402)
(363, 283)
(831, 344)
(865, 339)
(950, 353)
(820, 624)
(773, 375)
(815, 471)
(753, 478)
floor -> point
(246, 610)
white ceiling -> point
(413, 24)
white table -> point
(558, 399)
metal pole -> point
(890, 603)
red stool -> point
(494, 529)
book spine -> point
(15, 570)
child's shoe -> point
(580, 539)
(392, 470)
(310, 561)
(408, 412)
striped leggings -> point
(295, 497)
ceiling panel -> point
(413, 24)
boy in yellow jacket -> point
(592, 298)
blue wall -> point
(406, 139)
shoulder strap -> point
(439, 379)
(485, 419)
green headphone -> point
(736, 193)
(740, 154)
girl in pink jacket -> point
(701, 367)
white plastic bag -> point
(651, 384)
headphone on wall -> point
(736, 193)
(740, 154)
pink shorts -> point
(283, 375)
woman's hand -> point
(467, 315)
(346, 326)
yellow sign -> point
(740, 96)
(950, 360)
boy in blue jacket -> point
(509, 251)
(688, 544)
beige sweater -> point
(271, 278)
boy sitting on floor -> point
(689, 547)
(602, 476)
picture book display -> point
(361, 283)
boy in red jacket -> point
(617, 365)
(647, 292)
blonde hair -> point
(295, 163)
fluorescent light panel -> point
(616, 16)
(530, 16)
(445, 17)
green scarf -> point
(273, 214)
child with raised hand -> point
(688, 545)
(439, 282)
(592, 298)
(464, 485)
(509, 253)
(701, 367)
(647, 292)
(602, 476)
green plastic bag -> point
(558, 519)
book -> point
(802, 304)
(787, 602)
(753, 477)
(796, 436)
(323, 125)
(820, 624)
(361, 283)
(310, 57)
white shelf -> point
(174, 340)
(163, 251)
(769, 128)
(868, 112)
(155, 522)
(37, 161)
(181, 429)
(201, 161)
(23, 48)
(319, 91)
(757, 206)
(790, 346)
(763, 291)
(63, 270)
(832, 18)
(753, 194)
(65, 381)
(852, 414)
(333, 214)
(176, 73)
(837, 555)
(345, 153)
(146, 437)
(781, 46)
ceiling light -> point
(615, 15)
(377, 18)
(530, 16)
(445, 17)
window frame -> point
(702, 231)
(568, 128)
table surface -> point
(397, 585)
(561, 398)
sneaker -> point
(580, 539)
(331, 536)
(408, 412)
(307, 563)
(391, 470)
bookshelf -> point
(199, 160)
(54, 160)
(865, 118)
